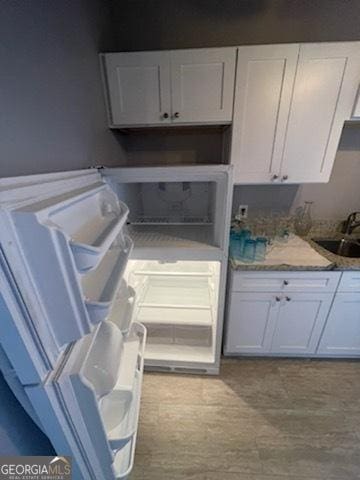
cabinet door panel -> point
(324, 93)
(138, 87)
(341, 335)
(250, 323)
(202, 84)
(300, 322)
(264, 81)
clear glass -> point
(260, 249)
(303, 219)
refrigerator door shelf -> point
(101, 285)
(90, 244)
(90, 218)
(104, 407)
(122, 310)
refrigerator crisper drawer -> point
(101, 387)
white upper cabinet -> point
(264, 81)
(291, 102)
(138, 88)
(325, 87)
(202, 85)
(168, 87)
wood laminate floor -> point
(260, 419)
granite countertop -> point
(336, 262)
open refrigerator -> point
(93, 263)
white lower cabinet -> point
(300, 320)
(341, 336)
(276, 324)
(251, 322)
(293, 314)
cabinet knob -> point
(176, 115)
(274, 177)
(288, 299)
(165, 115)
(277, 299)
(286, 282)
(284, 178)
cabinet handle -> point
(166, 115)
(274, 177)
(277, 299)
(288, 299)
(284, 178)
(176, 115)
(286, 282)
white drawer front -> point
(285, 281)
(350, 282)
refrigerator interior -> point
(178, 304)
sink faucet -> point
(351, 223)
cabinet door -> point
(300, 322)
(138, 88)
(250, 322)
(326, 82)
(341, 335)
(264, 82)
(202, 84)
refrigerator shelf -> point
(170, 236)
(176, 292)
(175, 315)
(171, 220)
(100, 285)
(157, 353)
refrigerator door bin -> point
(100, 285)
(122, 310)
(91, 223)
(100, 384)
(90, 220)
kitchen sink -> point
(342, 247)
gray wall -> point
(18, 433)
(157, 24)
(52, 113)
(333, 200)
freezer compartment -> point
(175, 213)
(100, 286)
(175, 203)
(178, 304)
